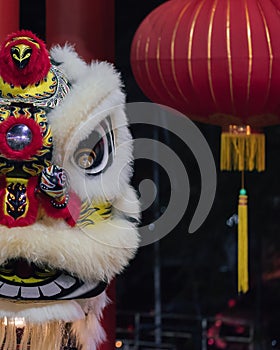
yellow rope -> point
(243, 273)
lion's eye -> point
(94, 153)
(85, 158)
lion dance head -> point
(68, 215)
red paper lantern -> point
(217, 61)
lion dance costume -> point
(68, 216)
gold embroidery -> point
(16, 201)
(92, 213)
(44, 89)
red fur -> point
(37, 68)
(28, 151)
(32, 209)
(70, 213)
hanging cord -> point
(243, 274)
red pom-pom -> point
(38, 64)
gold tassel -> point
(243, 274)
(242, 150)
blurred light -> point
(130, 328)
(118, 344)
(273, 342)
(17, 321)
(232, 221)
(218, 323)
(240, 329)
(231, 303)
(211, 341)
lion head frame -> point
(68, 215)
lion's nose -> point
(18, 137)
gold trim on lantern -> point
(267, 33)
(229, 56)
(250, 50)
(137, 54)
(147, 48)
(191, 41)
(209, 49)
(172, 52)
(160, 71)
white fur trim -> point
(128, 204)
(88, 331)
(66, 311)
(68, 58)
(99, 83)
(91, 254)
(93, 97)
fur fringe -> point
(37, 312)
(54, 326)
(85, 334)
(89, 333)
(47, 336)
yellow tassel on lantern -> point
(241, 149)
(243, 270)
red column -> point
(109, 319)
(89, 24)
(9, 12)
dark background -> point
(198, 271)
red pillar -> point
(9, 12)
(109, 319)
(90, 26)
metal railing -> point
(137, 331)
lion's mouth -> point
(22, 280)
